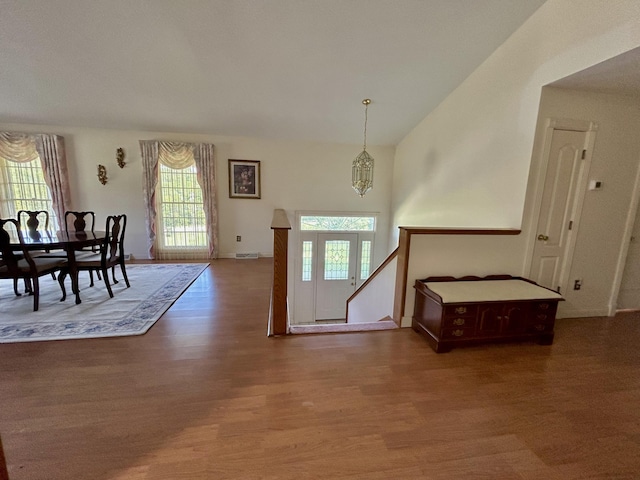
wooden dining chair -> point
(30, 221)
(82, 222)
(111, 255)
(17, 262)
(78, 220)
(35, 223)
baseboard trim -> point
(599, 312)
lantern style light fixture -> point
(362, 168)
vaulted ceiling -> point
(282, 69)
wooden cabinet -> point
(455, 312)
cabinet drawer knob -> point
(458, 332)
(461, 310)
(541, 316)
(458, 321)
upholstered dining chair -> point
(111, 255)
(22, 265)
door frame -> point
(303, 297)
(551, 124)
(624, 248)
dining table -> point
(68, 242)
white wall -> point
(295, 176)
(375, 302)
(467, 164)
(457, 256)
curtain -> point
(206, 170)
(22, 147)
(54, 165)
(179, 155)
(149, 152)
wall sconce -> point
(120, 157)
(102, 174)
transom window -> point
(338, 223)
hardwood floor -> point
(206, 395)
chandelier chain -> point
(366, 108)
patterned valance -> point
(176, 155)
(18, 147)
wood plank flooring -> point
(206, 395)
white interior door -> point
(335, 274)
(558, 220)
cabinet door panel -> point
(489, 320)
(515, 319)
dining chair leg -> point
(36, 292)
(91, 277)
(105, 276)
(15, 288)
(61, 277)
(124, 274)
(113, 274)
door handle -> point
(543, 237)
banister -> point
(380, 268)
(386, 262)
(280, 226)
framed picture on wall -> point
(244, 178)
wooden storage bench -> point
(454, 312)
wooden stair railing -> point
(279, 313)
(380, 268)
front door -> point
(558, 220)
(336, 274)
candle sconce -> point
(102, 174)
(120, 157)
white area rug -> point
(132, 311)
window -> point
(365, 259)
(23, 187)
(307, 260)
(338, 223)
(179, 191)
(181, 216)
(336, 260)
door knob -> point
(543, 237)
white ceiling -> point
(619, 75)
(284, 69)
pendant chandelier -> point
(362, 168)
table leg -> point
(73, 273)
